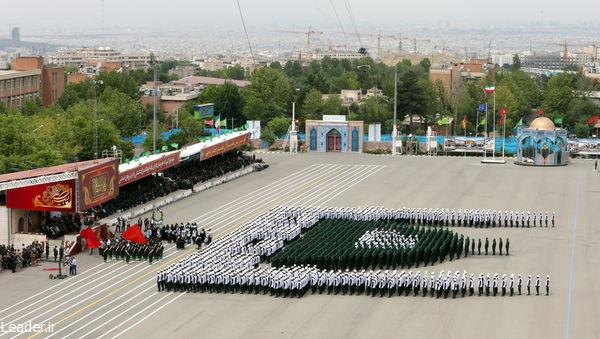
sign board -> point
(54, 197)
(334, 118)
(204, 111)
(154, 166)
(464, 144)
(98, 184)
(254, 125)
(225, 146)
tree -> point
(333, 106)
(293, 69)
(228, 101)
(268, 136)
(268, 94)
(120, 81)
(559, 93)
(374, 110)
(32, 106)
(76, 92)
(425, 64)
(312, 107)
(516, 62)
(124, 112)
(411, 95)
(279, 125)
(236, 72)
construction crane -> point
(308, 34)
(380, 36)
(415, 40)
(400, 38)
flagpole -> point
(486, 128)
(503, 136)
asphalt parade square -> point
(116, 299)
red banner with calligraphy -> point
(55, 197)
(154, 166)
(225, 146)
(98, 184)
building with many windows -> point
(18, 86)
(29, 79)
(81, 57)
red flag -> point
(540, 111)
(463, 124)
(592, 120)
(503, 111)
(134, 233)
(501, 120)
(90, 237)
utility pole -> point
(394, 129)
(153, 62)
(232, 120)
(95, 83)
(293, 132)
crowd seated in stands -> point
(57, 227)
(183, 176)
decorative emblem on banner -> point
(55, 196)
(101, 186)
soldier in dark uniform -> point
(494, 246)
(500, 246)
(487, 245)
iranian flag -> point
(489, 89)
(218, 123)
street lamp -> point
(394, 128)
(95, 117)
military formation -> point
(120, 249)
(232, 263)
(296, 281)
(474, 217)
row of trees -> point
(67, 131)
(564, 97)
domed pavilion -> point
(541, 144)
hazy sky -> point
(87, 14)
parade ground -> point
(116, 299)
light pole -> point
(153, 62)
(95, 117)
(394, 129)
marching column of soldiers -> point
(475, 217)
(296, 281)
(125, 250)
(231, 264)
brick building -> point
(451, 75)
(29, 79)
(18, 86)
